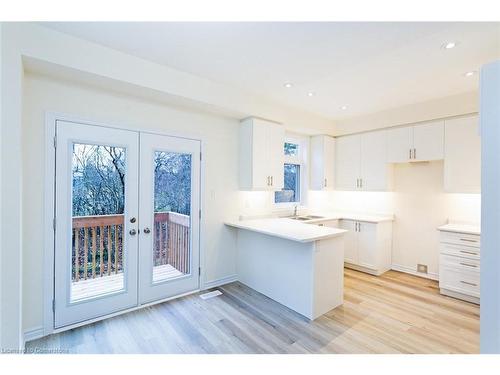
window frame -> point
(301, 160)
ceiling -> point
(367, 67)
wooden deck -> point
(393, 313)
(89, 288)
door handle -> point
(132, 220)
(132, 232)
(147, 230)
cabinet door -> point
(322, 162)
(462, 156)
(347, 162)
(428, 141)
(374, 167)
(367, 245)
(350, 241)
(329, 163)
(275, 155)
(260, 162)
(399, 143)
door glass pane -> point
(98, 203)
(172, 210)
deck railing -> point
(98, 250)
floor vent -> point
(208, 295)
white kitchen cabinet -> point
(376, 173)
(462, 155)
(424, 142)
(459, 265)
(367, 246)
(350, 240)
(361, 162)
(347, 162)
(261, 155)
(322, 162)
(399, 144)
(428, 141)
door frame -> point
(51, 117)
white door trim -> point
(49, 209)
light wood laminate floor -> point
(393, 313)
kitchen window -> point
(291, 194)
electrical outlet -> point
(422, 268)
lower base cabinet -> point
(459, 266)
(367, 246)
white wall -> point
(11, 272)
(490, 235)
(219, 142)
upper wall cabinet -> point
(322, 162)
(416, 143)
(462, 160)
(361, 162)
(261, 155)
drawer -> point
(459, 263)
(471, 240)
(459, 250)
(465, 282)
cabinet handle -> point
(414, 153)
(467, 240)
(271, 180)
(410, 153)
(361, 183)
(467, 283)
(468, 265)
(468, 252)
(326, 182)
(359, 227)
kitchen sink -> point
(305, 217)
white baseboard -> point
(411, 271)
(33, 334)
(219, 282)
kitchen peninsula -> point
(297, 264)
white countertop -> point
(288, 229)
(461, 228)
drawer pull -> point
(468, 265)
(467, 283)
(468, 252)
(467, 240)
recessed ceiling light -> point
(310, 94)
(344, 107)
(288, 85)
(449, 45)
(470, 74)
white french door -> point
(168, 265)
(127, 224)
